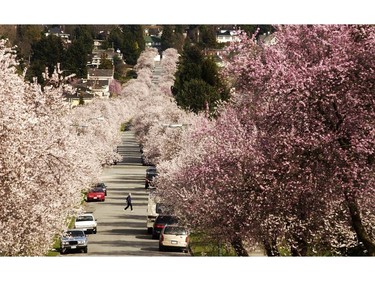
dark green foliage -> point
(133, 43)
(76, 54)
(84, 34)
(167, 38)
(120, 68)
(195, 94)
(76, 59)
(105, 63)
(46, 52)
(198, 85)
(81, 100)
(50, 50)
(129, 40)
(115, 39)
(207, 36)
(173, 37)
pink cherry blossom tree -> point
(311, 96)
(289, 161)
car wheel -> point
(94, 231)
(85, 249)
(161, 248)
(63, 251)
(149, 230)
(154, 236)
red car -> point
(95, 194)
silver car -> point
(73, 239)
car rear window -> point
(177, 230)
(73, 234)
(85, 218)
(166, 219)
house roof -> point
(223, 32)
(97, 84)
(85, 95)
(100, 72)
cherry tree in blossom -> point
(312, 95)
(289, 161)
(41, 178)
(49, 154)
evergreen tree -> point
(207, 36)
(133, 42)
(46, 52)
(167, 38)
(198, 86)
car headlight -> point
(65, 243)
(81, 242)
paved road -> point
(124, 233)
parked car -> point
(154, 208)
(174, 237)
(101, 185)
(95, 194)
(160, 222)
(86, 222)
(73, 239)
(151, 173)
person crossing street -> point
(129, 202)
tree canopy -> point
(198, 86)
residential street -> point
(120, 232)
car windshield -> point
(73, 233)
(177, 230)
(97, 189)
(85, 218)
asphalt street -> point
(120, 232)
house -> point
(226, 36)
(267, 39)
(97, 54)
(57, 31)
(100, 74)
(74, 98)
(98, 81)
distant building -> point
(153, 42)
(57, 31)
(267, 39)
(226, 36)
(74, 99)
(97, 54)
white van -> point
(154, 208)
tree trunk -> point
(239, 247)
(358, 226)
(300, 250)
(271, 248)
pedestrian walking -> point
(129, 202)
